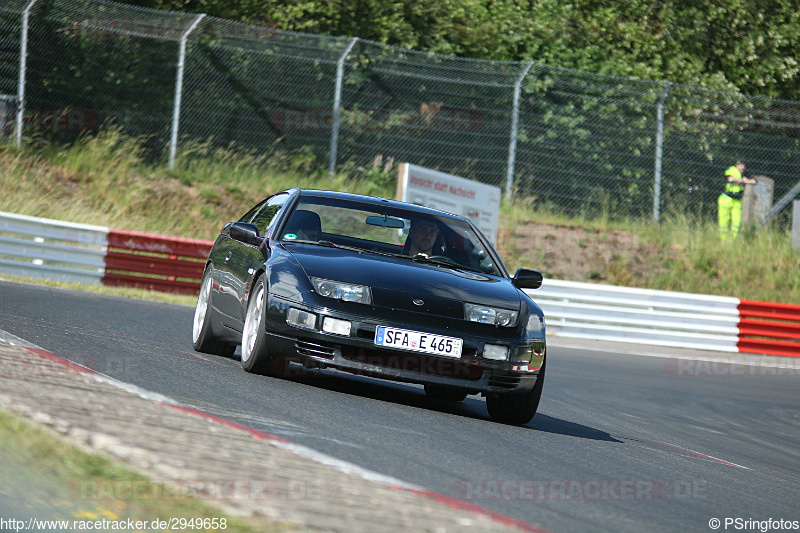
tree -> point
(744, 45)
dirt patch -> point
(577, 254)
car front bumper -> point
(358, 354)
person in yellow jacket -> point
(729, 203)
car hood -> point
(396, 281)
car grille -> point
(391, 359)
(366, 333)
(506, 381)
(391, 302)
(414, 362)
(312, 349)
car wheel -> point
(202, 338)
(255, 354)
(513, 408)
(441, 392)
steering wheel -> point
(443, 258)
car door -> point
(235, 261)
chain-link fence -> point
(576, 142)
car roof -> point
(375, 201)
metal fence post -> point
(512, 145)
(337, 112)
(659, 156)
(176, 110)
(23, 67)
(780, 204)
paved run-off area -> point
(244, 472)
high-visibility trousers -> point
(730, 215)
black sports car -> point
(378, 288)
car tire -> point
(202, 337)
(443, 392)
(517, 409)
(255, 352)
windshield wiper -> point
(330, 244)
(445, 262)
(436, 260)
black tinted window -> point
(387, 230)
(264, 215)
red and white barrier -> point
(770, 328)
(63, 251)
(93, 255)
(155, 262)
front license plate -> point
(416, 341)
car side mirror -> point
(246, 233)
(527, 279)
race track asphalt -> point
(621, 442)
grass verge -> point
(104, 180)
(46, 478)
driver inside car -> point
(422, 237)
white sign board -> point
(796, 225)
(474, 200)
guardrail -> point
(50, 249)
(95, 255)
(664, 318)
(603, 312)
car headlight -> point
(490, 315)
(347, 292)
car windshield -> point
(441, 240)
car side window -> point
(247, 217)
(266, 216)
